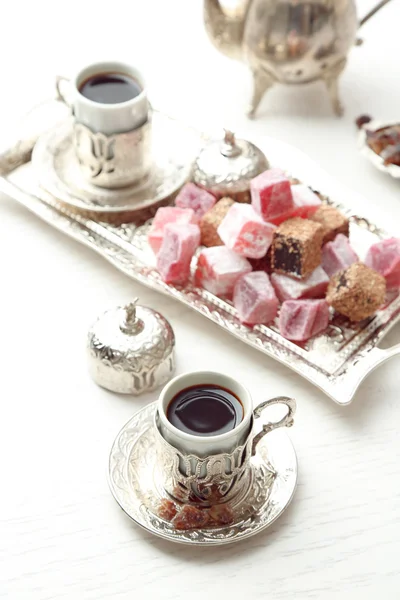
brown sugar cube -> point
(221, 514)
(167, 509)
(332, 221)
(190, 517)
(356, 292)
(210, 222)
(296, 247)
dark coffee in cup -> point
(110, 88)
(205, 410)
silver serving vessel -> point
(226, 167)
(286, 41)
(336, 361)
(131, 350)
(136, 483)
(55, 159)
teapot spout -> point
(224, 22)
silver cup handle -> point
(286, 421)
(61, 96)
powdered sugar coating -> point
(271, 194)
(179, 244)
(199, 200)
(254, 298)
(384, 257)
(338, 255)
(305, 201)
(245, 232)
(218, 269)
(314, 286)
(301, 319)
(164, 216)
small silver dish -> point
(131, 350)
(136, 484)
(373, 157)
(174, 148)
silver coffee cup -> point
(112, 141)
(206, 470)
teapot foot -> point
(262, 82)
(331, 80)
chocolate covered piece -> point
(210, 222)
(174, 257)
(245, 232)
(356, 292)
(254, 298)
(164, 216)
(218, 270)
(384, 257)
(338, 255)
(314, 286)
(332, 221)
(271, 195)
(263, 263)
(301, 319)
(296, 247)
(199, 200)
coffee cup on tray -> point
(206, 436)
(112, 123)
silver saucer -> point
(373, 157)
(136, 485)
(174, 148)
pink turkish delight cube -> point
(164, 216)
(338, 255)
(301, 319)
(271, 195)
(305, 201)
(179, 244)
(254, 298)
(314, 286)
(245, 232)
(218, 269)
(195, 198)
(384, 257)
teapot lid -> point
(227, 166)
(131, 349)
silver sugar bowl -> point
(131, 350)
(226, 167)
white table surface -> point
(61, 534)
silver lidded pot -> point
(286, 41)
(226, 167)
(131, 350)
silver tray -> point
(336, 361)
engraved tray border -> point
(338, 374)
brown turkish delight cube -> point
(210, 222)
(296, 247)
(356, 292)
(332, 221)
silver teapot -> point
(286, 41)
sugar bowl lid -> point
(131, 349)
(225, 167)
